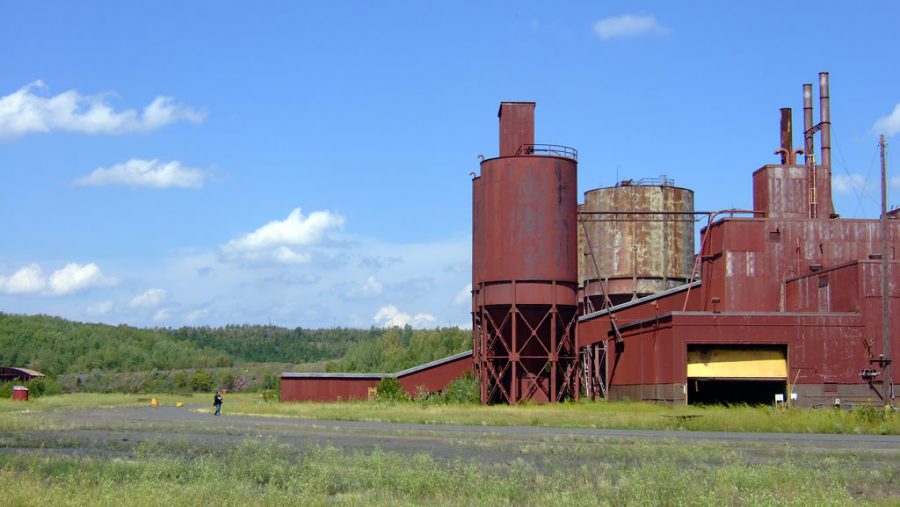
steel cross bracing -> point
(514, 363)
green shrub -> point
(43, 386)
(465, 389)
(226, 380)
(389, 389)
(180, 380)
(201, 381)
(6, 390)
(270, 381)
(271, 387)
(870, 414)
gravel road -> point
(185, 431)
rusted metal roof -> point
(432, 364)
(402, 373)
(640, 301)
(19, 372)
(336, 375)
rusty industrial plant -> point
(781, 301)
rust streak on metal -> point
(645, 249)
(787, 137)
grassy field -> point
(43, 463)
(609, 415)
(259, 472)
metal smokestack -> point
(827, 205)
(825, 120)
(810, 160)
(808, 121)
(787, 136)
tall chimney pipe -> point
(826, 204)
(825, 118)
(787, 136)
(810, 154)
(808, 121)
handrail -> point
(553, 150)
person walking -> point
(217, 402)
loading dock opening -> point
(731, 374)
(734, 391)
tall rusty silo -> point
(638, 240)
(525, 271)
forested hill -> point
(271, 344)
(53, 346)
(400, 348)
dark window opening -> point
(732, 392)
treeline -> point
(272, 344)
(400, 348)
(56, 346)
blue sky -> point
(307, 164)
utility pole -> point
(887, 379)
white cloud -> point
(888, 125)
(196, 315)
(284, 255)
(464, 296)
(27, 280)
(101, 308)
(627, 25)
(389, 316)
(279, 240)
(75, 277)
(370, 288)
(71, 278)
(162, 314)
(149, 299)
(846, 183)
(146, 173)
(24, 112)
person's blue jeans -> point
(218, 408)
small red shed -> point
(20, 393)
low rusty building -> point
(430, 377)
